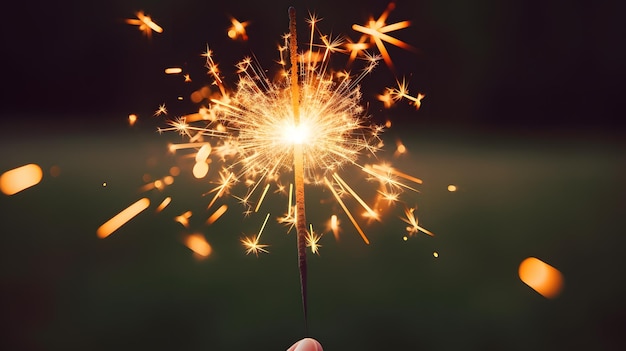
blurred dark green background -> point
(521, 114)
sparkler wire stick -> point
(298, 162)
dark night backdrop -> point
(521, 112)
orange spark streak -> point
(145, 24)
(347, 212)
(20, 178)
(173, 70)
(262, 197)
(163, 204)
(398, 173)
(344, 185)
(541, 277)
(198, 244)
(217, 214)
(376, 31)
(121, 218)
(200, 169)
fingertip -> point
(306, 344)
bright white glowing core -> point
(296, 134)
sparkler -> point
(309, 122)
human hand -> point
(306, 344)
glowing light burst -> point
(238, 30)
(309, 123)
(145, 24)
(376, 31)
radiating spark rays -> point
(309, 123)
(121, 218)
(262, 126)
(162, 110)
(227, 179)
(402, 91)
(411, 220)
(312, 241)
(252, 243)
(145, 24)
(375, 30)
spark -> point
(162, 110)
(402, 91)
(217, 214)
(159, 184)
(400, 149)
(252, 243)
(541, 277)
(20, 178)
(386, 98)
(333, 226)
(163, 204)
(452, 188)
(183, 219)
(256, 209)
(411, 220)
(376, 31)
(121, 218)
(145, 24)
(173, 70)
(132, 119)
(198, 244)
(238, 30)
(312, 240)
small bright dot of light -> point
(104, 183)
(451, 188)
(405, 238)
(435, 254)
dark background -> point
(521, 114)
(531, 64)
